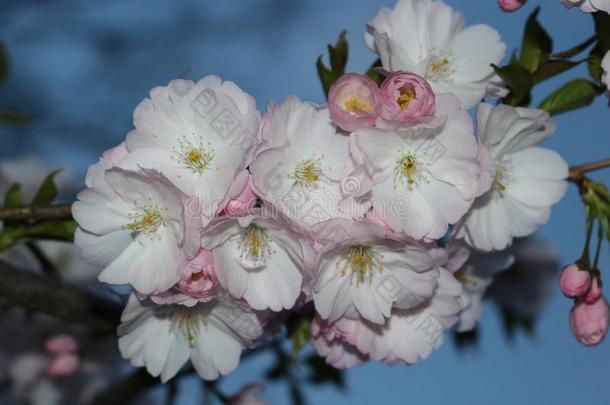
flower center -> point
(146, 219)
(354, 104)
(407, 94)
(197, 157)
(465, 277)
(307, 173)
(439, 68)
(502, 177)
(255, 246)
(187, 321)
(360, 261)
(409, 170)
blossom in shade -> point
(527, 179)
(60, 344)
(423, 178)
(476, 271)
(138, 232)
(354, 102)
(525, 287)
(511, 5)
(588, 6)
(361, 273)
(258, 259)
(163, 338)
(428, 38)
(589, 322)
(64, 365)
(575, 280)
(335, 342)
(199, 135)
(406, 98)
(248, 395)
(410, 335)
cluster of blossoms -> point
(378, 210)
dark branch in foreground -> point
(35, 292)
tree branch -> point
(49, 295)
(59, 212)
(577, 173)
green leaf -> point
(594, 62)
(338, 53)
(338, 60)
(568, 53)
(299, 336)
(13, 117)
(552, 68)
(374, 74)
(518, 80)
(52, 230)
(9, 235)
(572, 95)
(3, 63)
(47, 191)
(537, 44)
(12, 198)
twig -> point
(60, 212)
(37, 293)
(46, 264)
(577, 173)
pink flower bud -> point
(511, 5)
(406, 97)
(241, 204)
(595, 292)
(589, 322)
(354, 102)
(64, 365)
(198, 279)
(574, 280)
(60, 344)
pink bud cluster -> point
(355, 101)
(590, 316)
(65, 360)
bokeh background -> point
(78, 69)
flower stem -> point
(600, 238)
(577, 173)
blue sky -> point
(80, 68)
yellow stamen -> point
(354, 104)
(187, 321)
(307, 173)
(255, 245)
(410, 170)
(360, 261)
(407, 94)
(146, 219)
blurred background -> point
(77, 69)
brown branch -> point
(577, 173)
(35, 292)
(59, 212)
